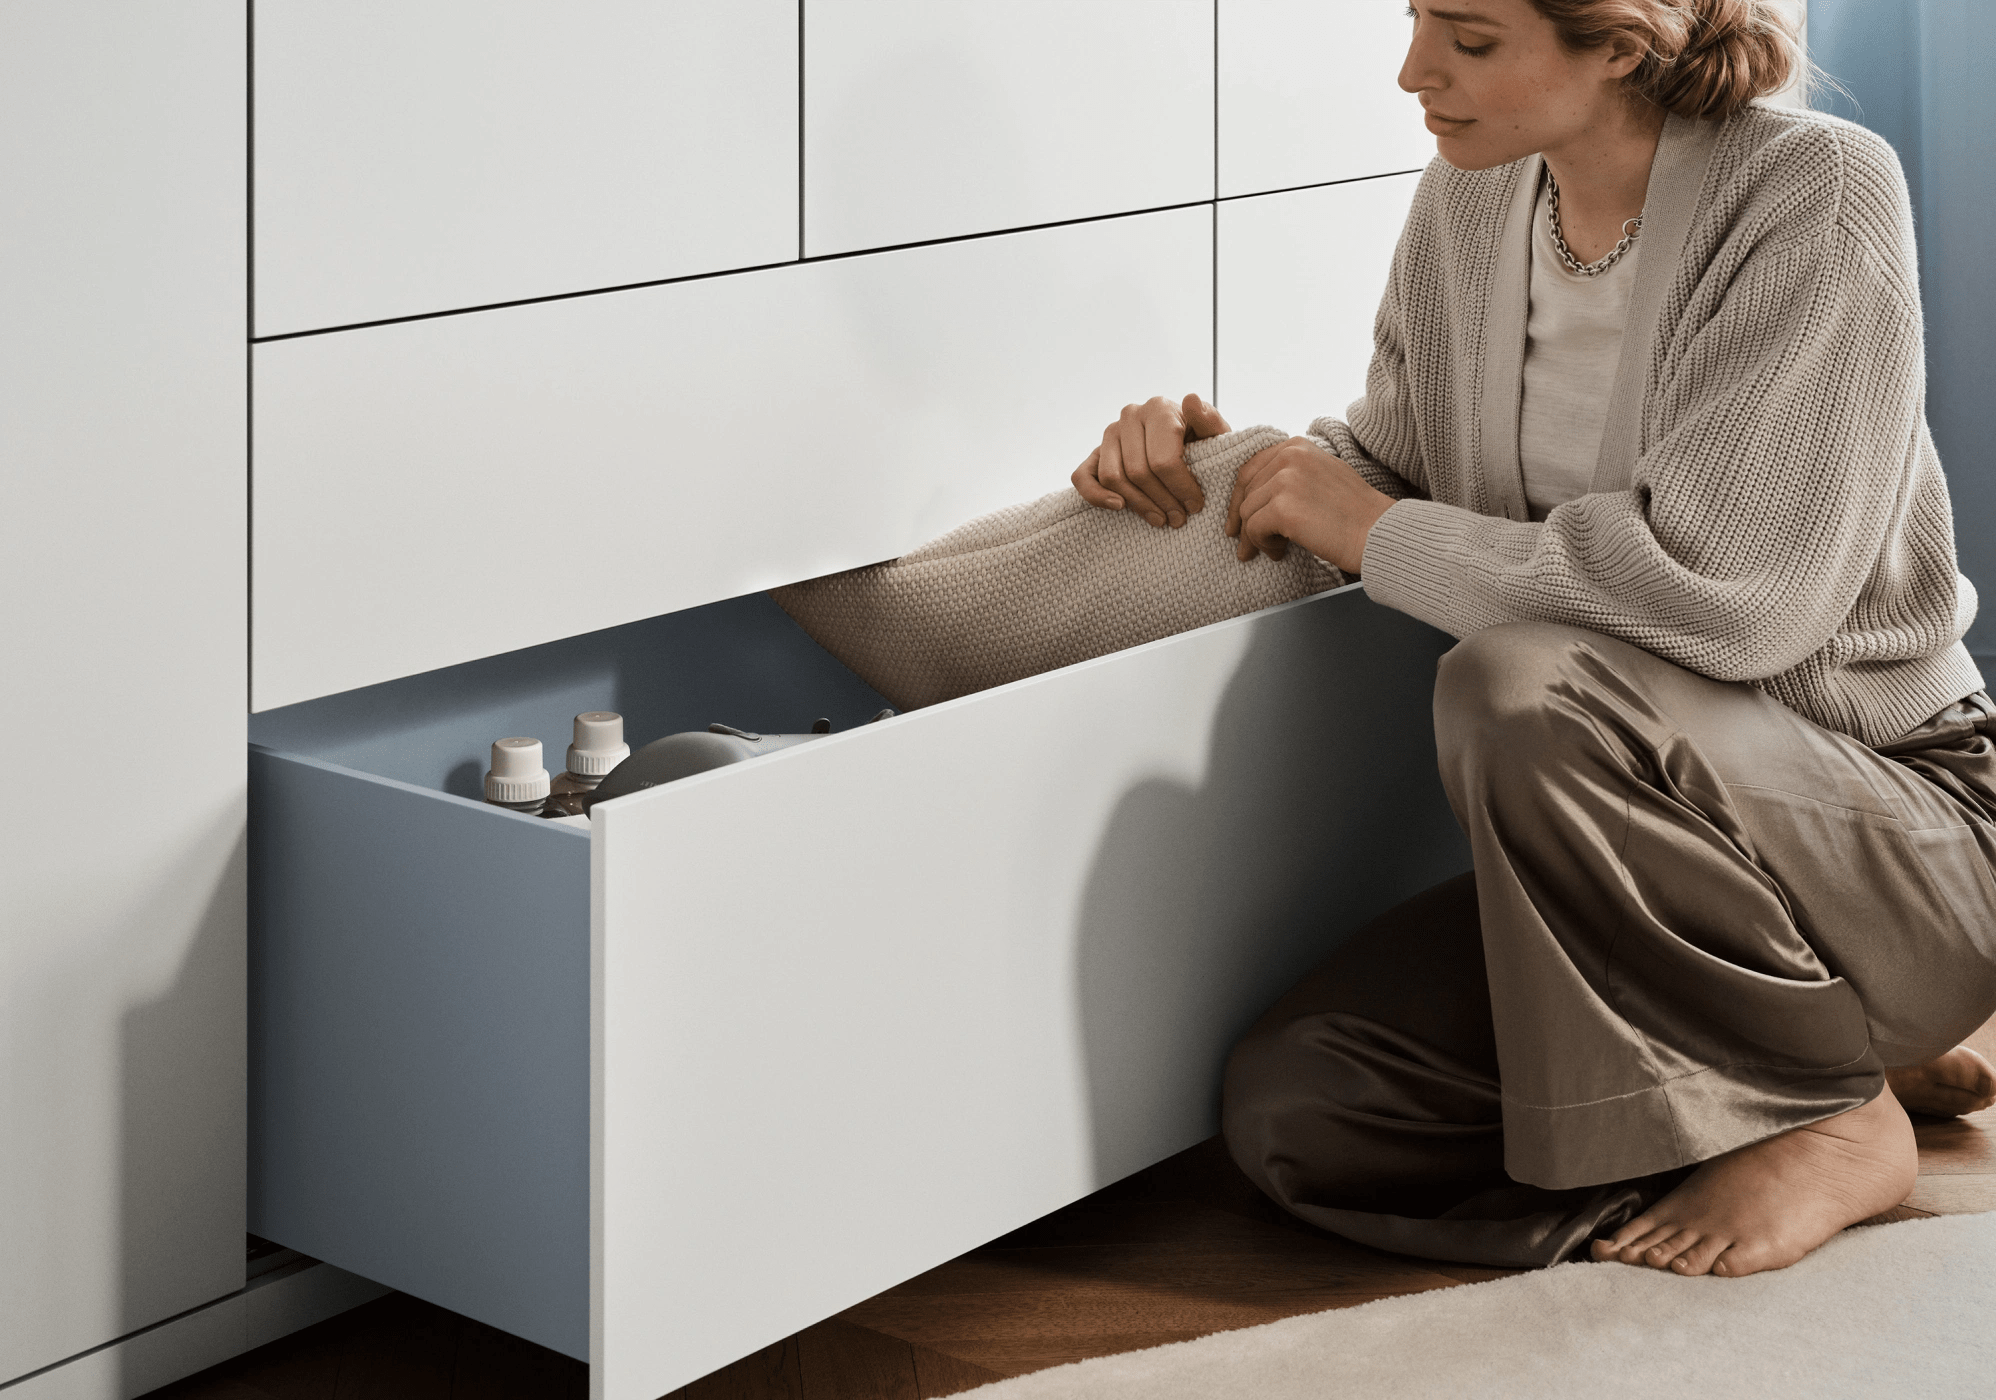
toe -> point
(1701, 1257)
(1982, 1081)
(1642, 1225)
(1754, 1256)
(1636, 1251)
(1660, 1256)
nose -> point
(1418, 73)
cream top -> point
(1573, 342)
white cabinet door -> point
(413, 158)
(122, 482)
(443, 489)
(1300, 277)
(933, 118)
(1309, 93)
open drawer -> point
(764, 1041)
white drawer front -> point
(438, 490)
(864, 1005)
(1309, 92)
(413, 158)
(1300, 279)
(768, 1040)
(932, 118)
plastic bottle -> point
(517, 780)
(598, 747)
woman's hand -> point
(1141, 462)
(1297, 493)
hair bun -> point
(1737, 50)
(1702, 58)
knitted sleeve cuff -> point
(1410, 562)
(1338, 440)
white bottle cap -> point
(599, 745)
(517, 778)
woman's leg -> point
(1366, 1101)
(1708, 923)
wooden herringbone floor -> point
(1185, 1248)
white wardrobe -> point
(384, 376)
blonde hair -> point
(1701, 58)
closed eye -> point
(1467, 50)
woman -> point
(1644, 428)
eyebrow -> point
(1467, 17)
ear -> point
(1622, 55)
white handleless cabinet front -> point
(1309, 93)
(122, 617)
(851, 1009)
(1300, 279)
(444, 489)
(416, 158)
(936, 118)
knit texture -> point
(1046, 584)
(1788, 522)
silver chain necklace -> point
(1594, 269)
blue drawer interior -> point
(420, 961)
(741, 662)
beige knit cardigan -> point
(1768, 505)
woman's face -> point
(1498, 85)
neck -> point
(1603, 174)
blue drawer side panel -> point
(419, 1043)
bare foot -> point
(1765, 1206)
(1958, 1082)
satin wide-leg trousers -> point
(1696, 920)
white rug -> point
(1889, 1310)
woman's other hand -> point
(1141, 462)
(1297, 493)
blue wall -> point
(1922, 74)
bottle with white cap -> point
(599, 746)
(517, 780)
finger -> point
(1244, 481)
(1258, 535)
(1258, 500)
(1136, 470)
(1091, 489)
(1164, 441)
(1202, 419)
(1114, 472)
(1261, 522)
(1268, 542)
(1109, 471)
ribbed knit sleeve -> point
(1788, 523)
(1755, 521)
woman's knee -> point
(1497, 691)
(1272, 1105)
(1314, 1117)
